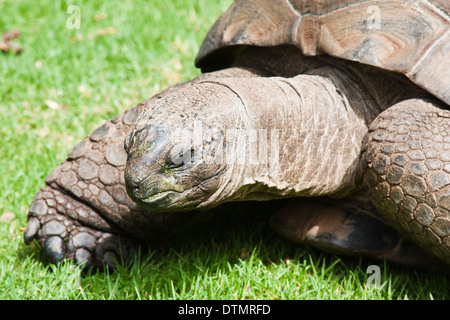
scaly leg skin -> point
(407, 156)
(84, 213)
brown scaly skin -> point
(407, 156)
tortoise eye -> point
(171, 165)
(179, 157)
(175, 160)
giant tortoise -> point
(341, 107)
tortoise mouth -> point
(174, 198)
(159, 201)
(158, 196)
(156, 200)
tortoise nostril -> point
(134, 174)
(136, 180)
(136, 192)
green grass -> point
(124, 52)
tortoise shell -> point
(411, 37)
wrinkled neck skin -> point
(295, 137)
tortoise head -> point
(172, 152)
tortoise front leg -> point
(407, 156)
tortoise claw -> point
(31, 230)
(54, 249)
(62, 236)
